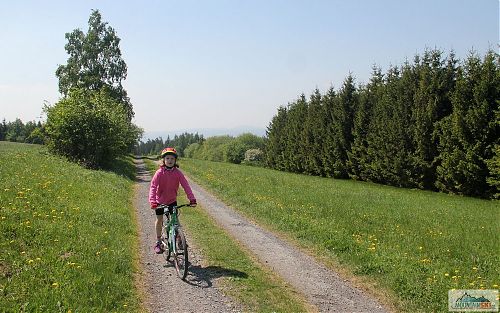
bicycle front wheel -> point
(164, 234)
(181, 259)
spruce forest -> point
(432, 124)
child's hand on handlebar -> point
(192, 203)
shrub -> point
(254, 157)
(234, 152)
(90, 127)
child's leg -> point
(158, 226)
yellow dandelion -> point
(474, 268)
(30, 261)
(420, 248)
(495, 286)
(125, 305)
(479, 277)
(446, 274)
(55, 284)
(38, 259)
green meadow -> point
(409, 247)
(67, 235)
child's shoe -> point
(158, 247)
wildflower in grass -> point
(495, 286)
(446, 274)
(30, 261)
(474, 268)
(55, 284)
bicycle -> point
(173, 239)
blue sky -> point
(225, 64)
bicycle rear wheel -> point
(181, 259)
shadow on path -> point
(203, 276)
(143, 175)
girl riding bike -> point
(164, 187)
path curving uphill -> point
(321, 287)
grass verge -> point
(414, 244)
(67, 236)
(242, 277)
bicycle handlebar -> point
(162, 206)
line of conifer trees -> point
(17, 131)
(154, 146)
(431, 124)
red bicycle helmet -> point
(168, 151)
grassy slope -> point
(67, 235)
(415, 244)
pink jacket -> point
(165, 184)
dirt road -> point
(323, 288)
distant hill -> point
(206, 132)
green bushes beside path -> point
(67, 235)
(415, 244)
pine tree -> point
(468, 135)
(312, 139)
(431, 104)
(328, 146)
(342, 116)
(388, 139)
(275, 142)
(358, 161)
(293, 153)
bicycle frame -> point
(173, 223)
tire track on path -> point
(322, 287)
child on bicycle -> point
(164, 187)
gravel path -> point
(323, 288)
(158, 278)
